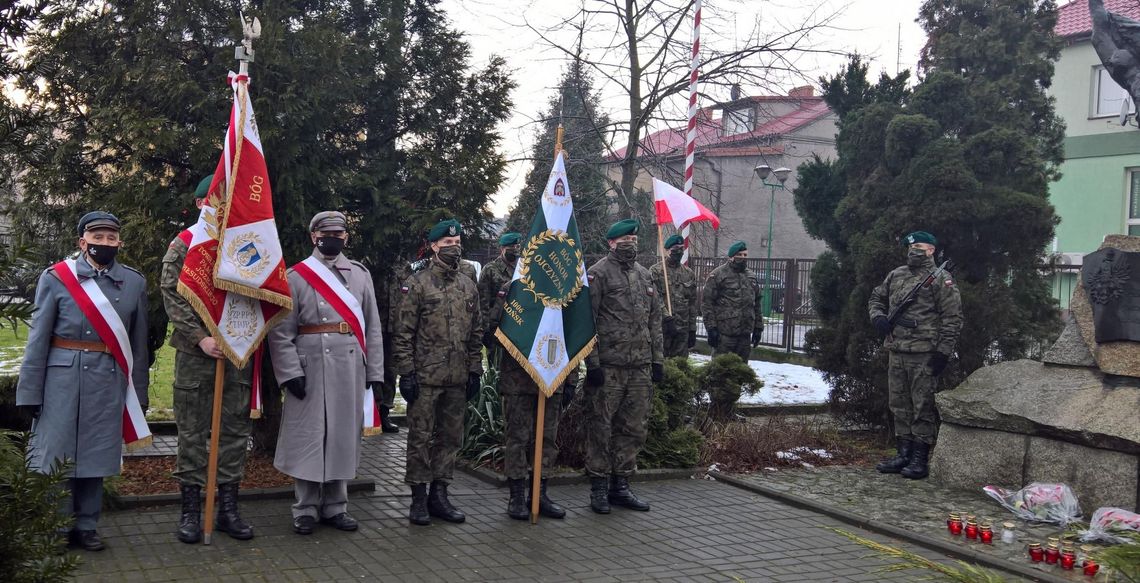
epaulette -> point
(359, 264)
(129, 268)
(419, 265)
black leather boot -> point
(87, 540)
(439, 506)
(621, 495)
(229, 521)
(917, 469)
(546, 506)
(418, 513)
(190, 524)
(599, 502)
(386, 424)
(517, 507)
(895, 465)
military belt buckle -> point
(343, 328)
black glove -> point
(756, 336)
(33, 410)
(656, 372)
(409, 387)
(938, 363)
(668, 325)
(714, 337)
(377, 388)
(473, 384)
(692, 338)
(489, 338)
(569, 389)
(882, 326)
(595, 377)
(295, 386)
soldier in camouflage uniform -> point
(440, 361)
(520, 409)
(619, 371)
(733, 316)
(196, 351)
(680, 327)
(496, 273)
(920, 345)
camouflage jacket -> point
(189, 329)
(732, 302)
(495, 274)
(439, 331)
(682, 293)
(932, 322)
(624, 301)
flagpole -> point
(691, 129)
(664, 269)
(540, 420)
(244, 53)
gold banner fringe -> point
(286, 302)
(524, 362)
(140, 443)
(204, 315)
(254, 414)
(370, 431)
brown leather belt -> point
(66, 343)
(338, 328)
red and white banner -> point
(678, 208)
(235, 247)
(111, 330)
(329, 286)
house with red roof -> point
(1099, 192)
(732, 139)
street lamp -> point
(763, 171)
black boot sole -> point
(419, 522)
(238, 535)
(600, 510)
(888, 471)
(190, 540)
(519, 516)
(451, 519)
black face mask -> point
(916, 258)
(450, 255)
(330, 246)
(738, 265)
(102, 254)
(510, 256)
(677, 254)
(626, 251)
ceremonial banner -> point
(548, 323)
(234, 272)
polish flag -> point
(678, 208)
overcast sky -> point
(499, 27)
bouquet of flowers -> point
(1108, 523)
(1039, 502)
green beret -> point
(920, 237)
(328, 221)
(204, 187)
(623, 228)
(674, 240)
(736, 247)
(98, 220)
(509, 239)
(447, 228)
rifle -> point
(912, 295)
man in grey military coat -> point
(325, 354)
(70, 381)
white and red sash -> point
(336, 293)
(111, 330)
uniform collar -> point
(339, 263)
(84, 270)
(445, 271)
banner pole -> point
(212, 467)
(539, 427)
(664, 270)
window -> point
(739, 121)
(1107, 95)
(1133, 221)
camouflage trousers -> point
(435, 433)
(677, 344)
(618, 421)
(193, 411)
(911, 395)
(740, 345)
(519, 413)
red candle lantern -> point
(1091, 568)
(954, 524)
(1036, 553)
(972, 530)
(986, 533)
(1052, 554)
(1068, 560)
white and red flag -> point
(678, 208)
(234, 273)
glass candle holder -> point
(951, 520)
(1008, 534)
(1052, 553)
(1090, 568)
(986, 533)
(1068, 560)
(972, 530)
(1036, 553)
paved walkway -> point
(698, 531)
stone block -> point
(968, 458)
(1070, 349)
(1099, 477)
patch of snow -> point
(784, 384)
(796, 453)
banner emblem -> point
(243, 254)
(552, 268)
